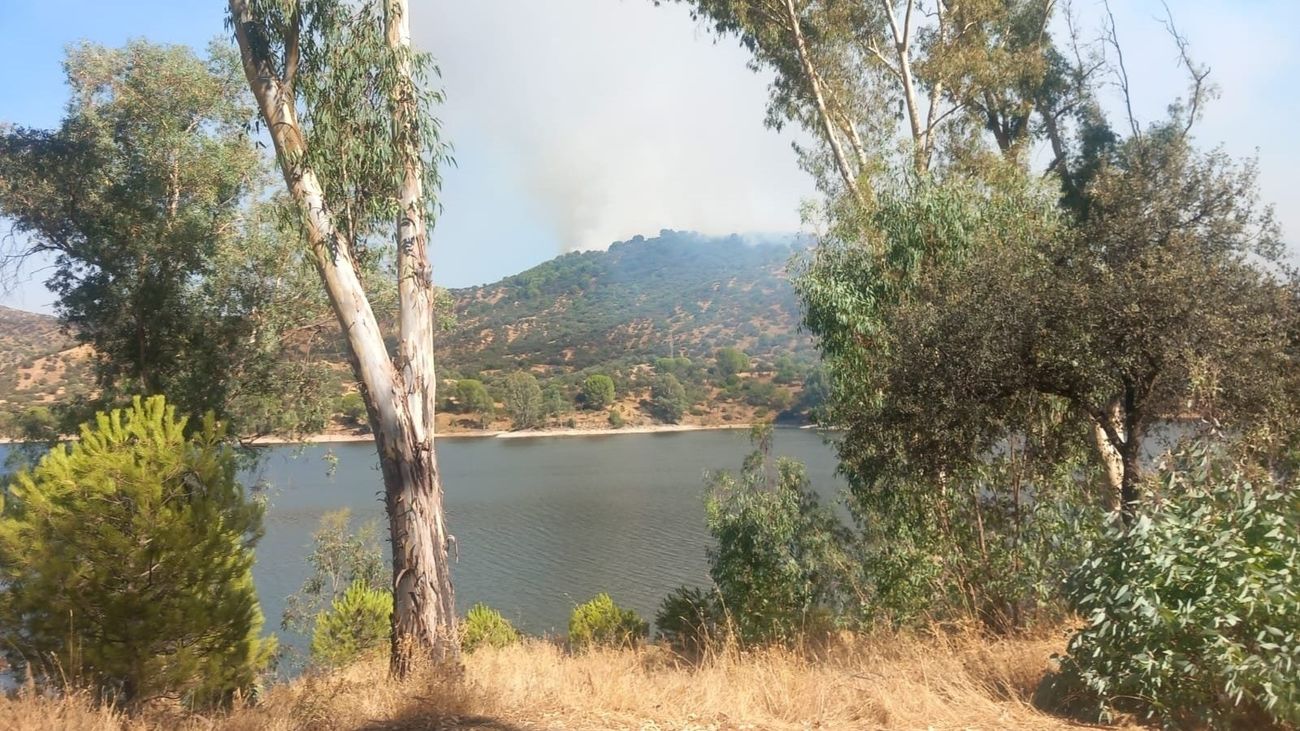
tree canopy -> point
(168, 258)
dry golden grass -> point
(900, 682)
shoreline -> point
(350, 438)
(328, 438)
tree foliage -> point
(168, 259)
(730, 362)
(523, 400)
(778, 560)
(485, 627)
(126, 562)
(1193, 612)
(597, 392)
(602, 623)
(357, 622)
(668, 401)
(340, 557)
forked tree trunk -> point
(399, 396)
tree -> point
(168, 259)
(472, 398)
(850, 73)
(523, 399)
(778, 557)
(668, 399)
(598, 391)
(126, 562)
(555, 401)
(730, 362)
(340, 558)
(361, 161)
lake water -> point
(541, 523)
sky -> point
(576, 123)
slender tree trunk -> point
(819, 98)
(903, 48)
(424, 604)
(401, 414)
(1115, 432)
(1111, 460)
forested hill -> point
(678, 293)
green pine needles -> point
(126, 563)
(486, 627)
(356, 623)
(602, 623)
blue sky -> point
(579, 122)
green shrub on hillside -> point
(485, 626)
(356, 623)
(1193, 612)
(126, 562)
(353, 407)
(668, 399)
(601, 622)
(597, 391)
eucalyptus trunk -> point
(399, 393)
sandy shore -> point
(648, 429)
(342, 438)
(524, 434)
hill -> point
(677, 294)
(616, 312)
(40, 363)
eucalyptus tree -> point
(168, 260)
(890, 85)
(994, 331)
(342, 95)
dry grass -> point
(900, 682)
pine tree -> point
(126, 562)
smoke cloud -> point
(601, 119)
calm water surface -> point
(541, 523)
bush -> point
(690, 620)
(601, 622)
(340, 558)
(353, 407)
(126, 562)
(1193, 612)
(616, 419)
(597, 392)
(779, 555)
(358, 622)
(668, 399)
(485, 626)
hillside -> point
(39, 362)
(678, 294)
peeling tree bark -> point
(399, 395)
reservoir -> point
(541, 524)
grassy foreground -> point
(900, 682)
